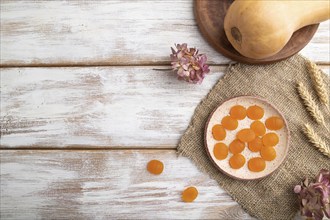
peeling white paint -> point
(101, 184)
(111, 106)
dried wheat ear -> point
(316, 140)
(318, 83)
(311, 105)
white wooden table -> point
(84, 108)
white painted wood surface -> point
(111, 32)
(115, 107)
(107, 185)
(97, 106)
(124, 106)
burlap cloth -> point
(271, 197)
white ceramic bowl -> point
(244, 173)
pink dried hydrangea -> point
(190, 65)
(314, 197)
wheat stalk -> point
(319, 85)
(311, 105)
(316, 140)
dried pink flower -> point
(314, 197)
(190, 65)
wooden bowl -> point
(210, 16)
(244, 173)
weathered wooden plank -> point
(318, 49)
(116, 107)
(112, 107)
(109, 33)
(106, 184)
(97, 107)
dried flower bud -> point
(314, 196)
(297, 189)
(190, 65)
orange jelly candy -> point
(255, 112)
(258, 127)
(189, 194)
(218, 132)
(255, 145)
(268, 153)
(270, 139)
(246, 135)
(274, 123)
(237, 161)
(229, 123)
(256, 164)
(220, 151)
(238, 112)
(236, 146)
(155, 167)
